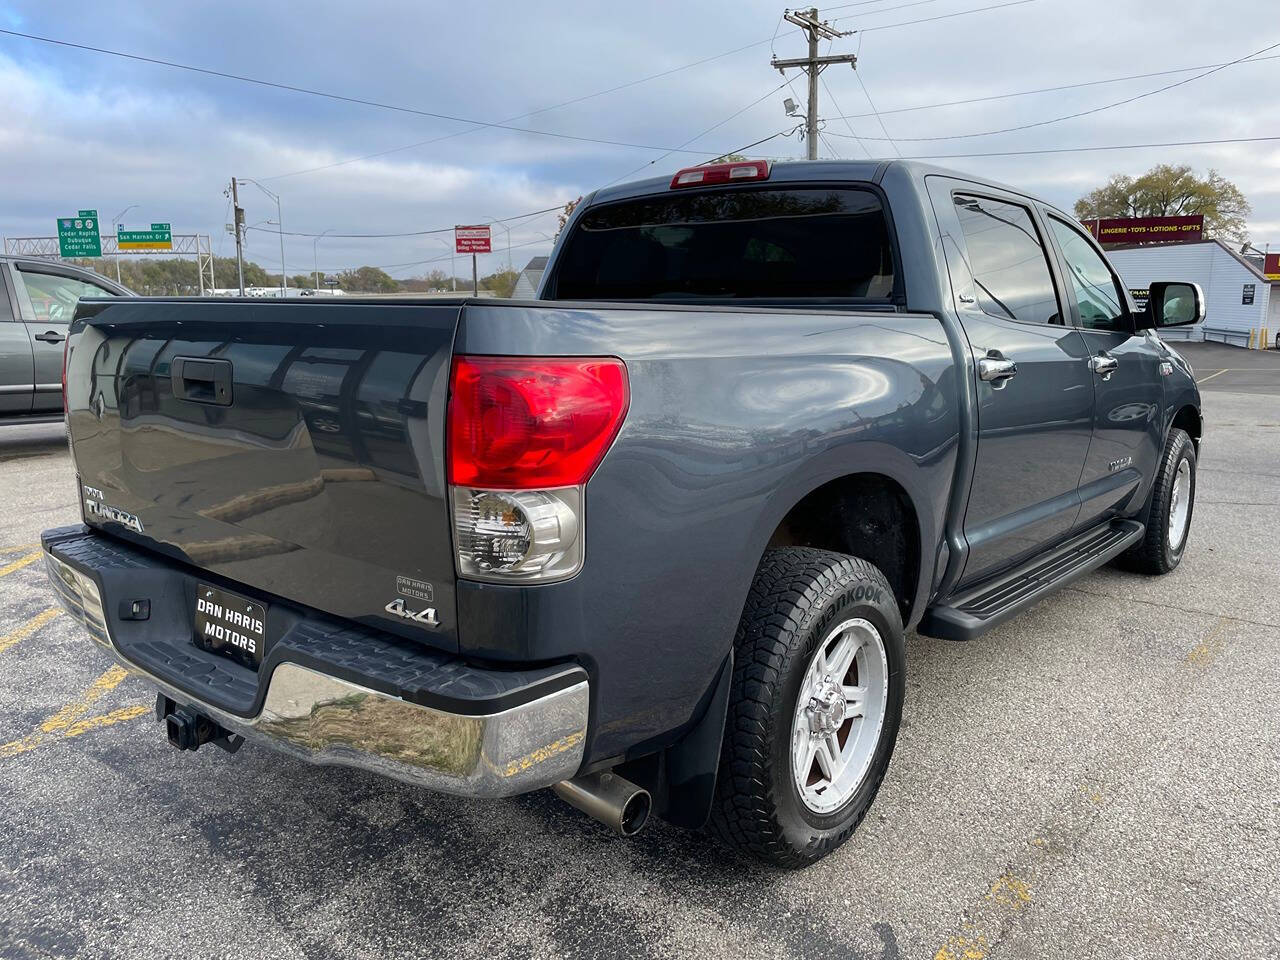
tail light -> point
(721, 173)
(524, 436)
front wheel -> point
(1168, 518)
(818, 682)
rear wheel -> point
(1168, 518)
(815, 705)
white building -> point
(530, 279)
(1238, 297)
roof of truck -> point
(791, 171)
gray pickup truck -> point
(37, 300)
(653, 539)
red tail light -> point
(523, 423)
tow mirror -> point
(1173, 304)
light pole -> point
(284, 284)
(453, 273)
(508, 229)
(115, 228)
(315, 263)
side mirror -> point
(1173, 304)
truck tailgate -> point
(293, 447)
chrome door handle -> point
(996, 371)
(1104, 366)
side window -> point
(53, 298)
(1007, 260)
(1092, 284)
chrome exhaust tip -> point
(615, 801)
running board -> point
(974, 613)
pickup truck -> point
(652, 539)
(37, 299)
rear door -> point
(48, 298)
(1035, 398)
(1128, 389)
(16, 376)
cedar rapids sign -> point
(1147, 229)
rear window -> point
(758, 244)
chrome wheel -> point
(840, 711)
(1180, 505)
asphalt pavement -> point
(1098, 778)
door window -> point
(1092, 283)
(53, 297)
(1007, 260)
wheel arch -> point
(1187, 417)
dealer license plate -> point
(230, 624)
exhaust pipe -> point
(615, 801)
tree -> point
(501, 282)
(564, 215)
(367, 280)
(1171, 191)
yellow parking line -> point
(1212, 375)
(70, 721)
(15, 547)
(21, 562)
(106, 720)
(76, 709)
(28, 628)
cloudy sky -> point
(86, 130)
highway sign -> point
(78, 235)
(159, 237)
(471, 239)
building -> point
(530, 279)
(1239, 300)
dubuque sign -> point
(78, 235)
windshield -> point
(771, 243)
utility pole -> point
(813, 65)
(238, 223)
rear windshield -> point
(759, 244)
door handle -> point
(201, 380)
(997, 371)
(51, 336)
(1104, 366)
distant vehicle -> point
(654, 538)
(37, 300)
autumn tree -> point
(1171, 191)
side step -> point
(974, 613)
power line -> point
(879, 119)
(941, 16)
(849, 125)
(1076, 115)
(1028, 93)
(414, 233)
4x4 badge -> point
(425, 617)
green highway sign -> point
(159, 237)
(78, 235)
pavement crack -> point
(1169, 606)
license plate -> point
(230, 624)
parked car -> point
(654, 538)
(37, 300)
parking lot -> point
(1098, 778)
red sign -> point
(1271, 266)
(1148, 229)
(471, 239)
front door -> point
(15, 354)
(1128, 390)
(1032, 380)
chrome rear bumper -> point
(324, 719)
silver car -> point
(37, 299)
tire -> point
(1161, 548)
(800, 598)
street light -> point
(284, 285)
(453, 273)
(115, 228)
(315, 263)
(508, 229)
